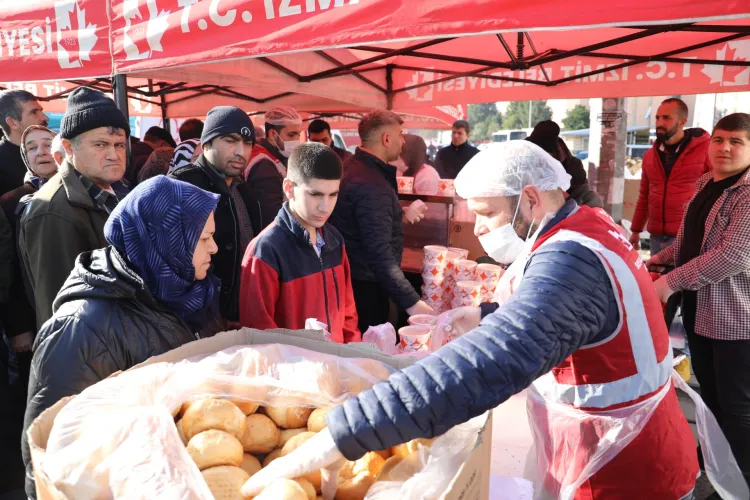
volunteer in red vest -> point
(266, 171)
(582, 327)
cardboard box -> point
(471, 482)
(462, 236)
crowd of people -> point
(108, 259)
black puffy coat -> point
(368, 215)
(104, 320)
(228, 260)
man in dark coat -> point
(320, 131)
(155, 138)
(369, 216)
(18, 110)
(451, 159)
(227, 140)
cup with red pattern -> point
(414, 338)
(465, 270)
(446, 187)
(466, 293)
(462, 252)
(435, 255)
(488, 275)
(405, 185)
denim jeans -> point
(659, 243)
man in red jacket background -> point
(670, 170)
(297, 267)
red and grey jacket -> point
(664, 197)
(285, 282)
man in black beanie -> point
(67, 215)
(546, 135)
(228, 138)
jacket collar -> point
(387, 170)
(217, 178)
(693, 138)
(567, 210)
(707, 177)
(287, 221)
(74, 189)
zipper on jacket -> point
(336, 287)
(325, 293)
(664, 203)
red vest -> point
(631, 365)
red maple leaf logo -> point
(730, 71)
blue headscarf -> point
(156, 229)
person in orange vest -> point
(579, 323)
(266, 171)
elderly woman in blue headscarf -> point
(149, 291)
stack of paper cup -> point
(466, 293)
(462, 252)
(465, 270)
(449, 281)
(433, 275)
(414, 338)
(446, 187)
(405, 184)
(488, 275)
(423, 320)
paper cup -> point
(433, 271)
(450, 259)
(462, 252)
(423, 320)
(466, 293)
(465, 270)
(435, 255)
(488, 275)
(438, 305)
(414, 338)
(405, 184)
(446, 187)
(432, 291)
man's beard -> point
(524, 227)
(665, 135)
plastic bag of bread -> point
(119, 439)
(199, 428)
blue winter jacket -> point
(564, 302)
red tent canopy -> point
(350, 55)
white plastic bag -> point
(117, 439)
(427, 472)
(315, 325)
(721, 467)
(384, 337)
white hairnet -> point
(505, 169)
(283, 116)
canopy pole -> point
(389, 87)
(120, 91)
(607, 152)
(164, 119)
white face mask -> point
(503, 244)
(289, 146)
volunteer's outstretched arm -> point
(562, 304)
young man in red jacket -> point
(297, 267)
(670, 170)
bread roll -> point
(354, 488)
(283, 489)
(386, 454)
(211, 413)
(294, 443)
(261, 434)
(292, 417)
(271, 457)
(406, 449)
(286, 434)
(307, 486)
(250, 464)
(246, 407)
(317, 420)
(181, 432)
(225, 482)
(212, 448)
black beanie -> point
(89, 109)
(545, 136)
(225, 120)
